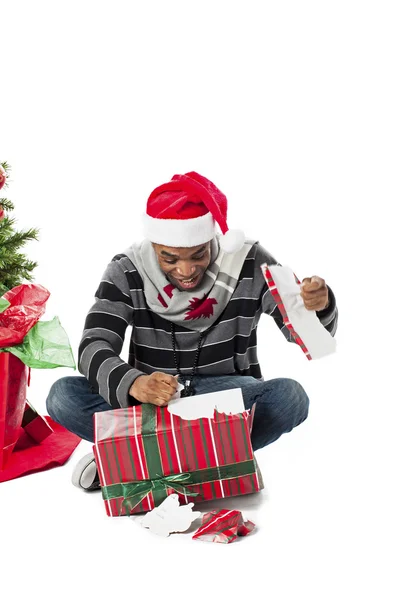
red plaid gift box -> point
(13, 381)
(144, 453)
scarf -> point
(195, 309)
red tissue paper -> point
(27, 305)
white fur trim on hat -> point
(179, 233)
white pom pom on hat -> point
(182, 213)
(232, 241)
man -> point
(194, 299)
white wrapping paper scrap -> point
(203, 405)
(170, 517)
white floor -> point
(327, 521)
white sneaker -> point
(85, 475)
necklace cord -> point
(187, 380)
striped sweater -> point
(229, 347)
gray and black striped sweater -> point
(229, 348)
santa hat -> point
(182, 213)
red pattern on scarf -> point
(162, 301)
(200, 308)
(169, 289)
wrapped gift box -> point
(13, 382)
(144, 453)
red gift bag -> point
(13, 382)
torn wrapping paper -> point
(203, 405)
(304, 325)
(170, 517)
(145, 453)
(223, 526)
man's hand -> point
(314, 293)
(157, 388)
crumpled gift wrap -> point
(223, 526)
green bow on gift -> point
(135, 491)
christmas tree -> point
(14, 266)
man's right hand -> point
(157, 388)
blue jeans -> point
(282, 404)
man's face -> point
(184, 267)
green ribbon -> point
(134, 492)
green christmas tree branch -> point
(15, 267)
(19, 238)
(6, 204)
(6, 229)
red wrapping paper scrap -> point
(27, 305)
(223, 526)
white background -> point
(292, 109)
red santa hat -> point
(182, 213)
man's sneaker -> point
(85, 475)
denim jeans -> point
(282, 404)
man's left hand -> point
(314, 293)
